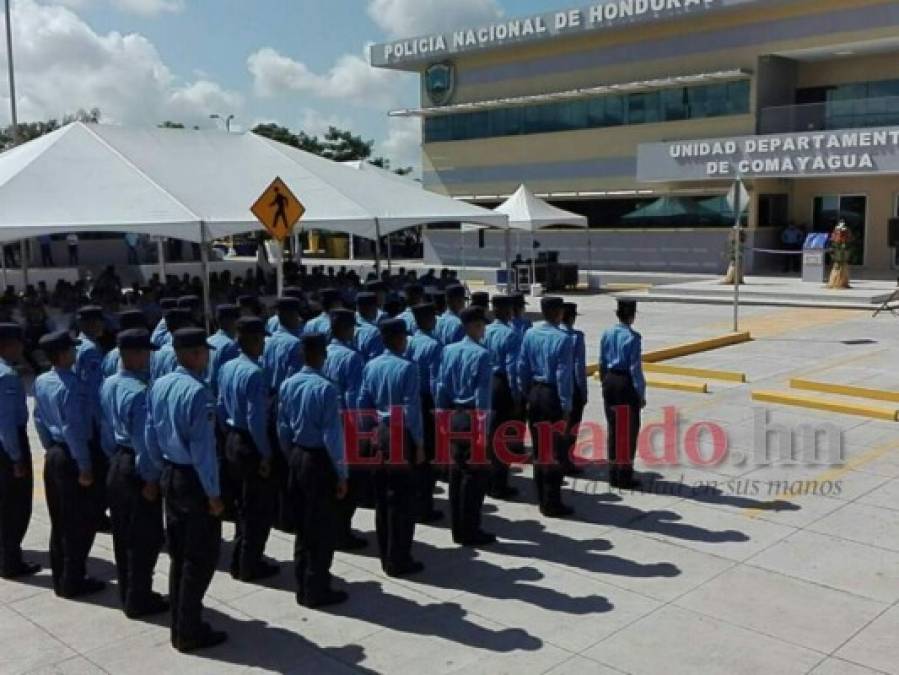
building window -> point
(667, 105)
(829, 210)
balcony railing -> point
(848, 114)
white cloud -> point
(316, 123)
(62, 64)
(408, 18)
(403, 143)
(142, 7)
(351, 78)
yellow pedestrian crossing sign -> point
(278, 209)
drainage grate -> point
(858, 343)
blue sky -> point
(297, 62)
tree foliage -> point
(28, 131)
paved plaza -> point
(723, 569)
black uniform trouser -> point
(194, 542)
(468, 480)
(395, 504)
(137, 531)
(283, 508)
(313, 493)
(622, 406)
(360, 494)
(425, 477)
(255, 503)
(16, 495)
(225, 484)
(545, 411)
(503, 411)
(100, 470)
(578, 404)
(73, 520)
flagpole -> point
(13, 113)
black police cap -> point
(366, 299)
(503, 301)
(177, 318)
(90, 313)
(168, 303)
(456, 291)
(314, 341)
(414, 289)
(570, 309)
(132, 318)
(627, 306)
(343, 317)
(393, 327)
(551, 303)
(251, 325)
(188, 302)
(247, 300)
(135, 338)
(519, 300)
(424, 311)
(227, 312)
(480, 299)
(437, 294)
(59, 341)
(328, 295)
(376, 286)
(189, 338)
(293, 292)
(472, 314)
(11, 331)
(289, 305)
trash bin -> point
(814, 258)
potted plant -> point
(841, 254)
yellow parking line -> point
(677, 385)
(705, 373)
(826, 404)
(846, 390)
(696, 347)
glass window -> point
(674, 104)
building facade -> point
(640, 114)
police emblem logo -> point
(440, 82)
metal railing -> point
(847, 114)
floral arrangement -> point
(841, 244)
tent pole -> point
(378, 246)
(352, 251)
(280, 268)
(3, 266)
(533, 258)
(389, 254)
(204, 263)
(160, 253)
(508, 242)
(23, 251)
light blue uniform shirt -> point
(521, 325)
(425, 351)
(181, 426)
(123, 400)
(61, 400)
(309, 416)
(111, 363)
(547, 356)
(392, 381)
(163, 362)
(225, 350)
(320, 324)
(465, 377)
(409, 317)
(504, 345)
(449, 329)
(344, 367)
(13, 411)
(274, 323)
(580, 359)
(281, 358)
(161, 334)
(621, 348)
(243, 400)
(89, 369)
(368, 340)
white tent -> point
(527, 212)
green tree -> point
(28, 131)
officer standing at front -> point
(62, 420)
(133, 483)
(504, 344)
(581, 389)
(16, 478)
(243, 404)
(181, 435)
(425, 351)
(545, 379)
(623, 393)
(449, 326)
(224, 343)
(310, 431)
(390, 382)
(368, 335)
(463, 387)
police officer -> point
(504, 344)
(581, 389)
(391, 381)
(194, 307)
(425, 351)
(165, 360)
(330, 300)
(623, 393)
(224, 343)
(128, 320)
(379, 288)
(368, 335)
(545, 379)
(244, 406)
(438, 299)
(161, 334)
(449, 326)
(249, 305)
(463, 387)
(344, 367)
(61, 402)
(274, 323)
(414, 296)
(311, 433)
(133, 482)
(181, 436)
(520, 322)
(16, 478)
(480, 299)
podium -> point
(814, 258)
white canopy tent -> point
(197, 186)
(528, 212)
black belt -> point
(545, 384)
(304, 448)
(125, 449)
(619, 371)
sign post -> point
(279, 211)
(738, 200)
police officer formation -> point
(337, 401)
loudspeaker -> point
(894, 232)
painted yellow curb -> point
(675, 385)
(618, 288)
(705, 373)
(830, 405)
(696, 347)
(846, 390)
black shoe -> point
(557, 511)
(434, 516)
(104, 525)
(572, 470)
(263, 570)
(507, 492)
(87, 586)
(25, 569)
(352, 543)
(410, 568)
(155, 605)
(626, 483)
(326, 599)
(480, 539)
(208, 639)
